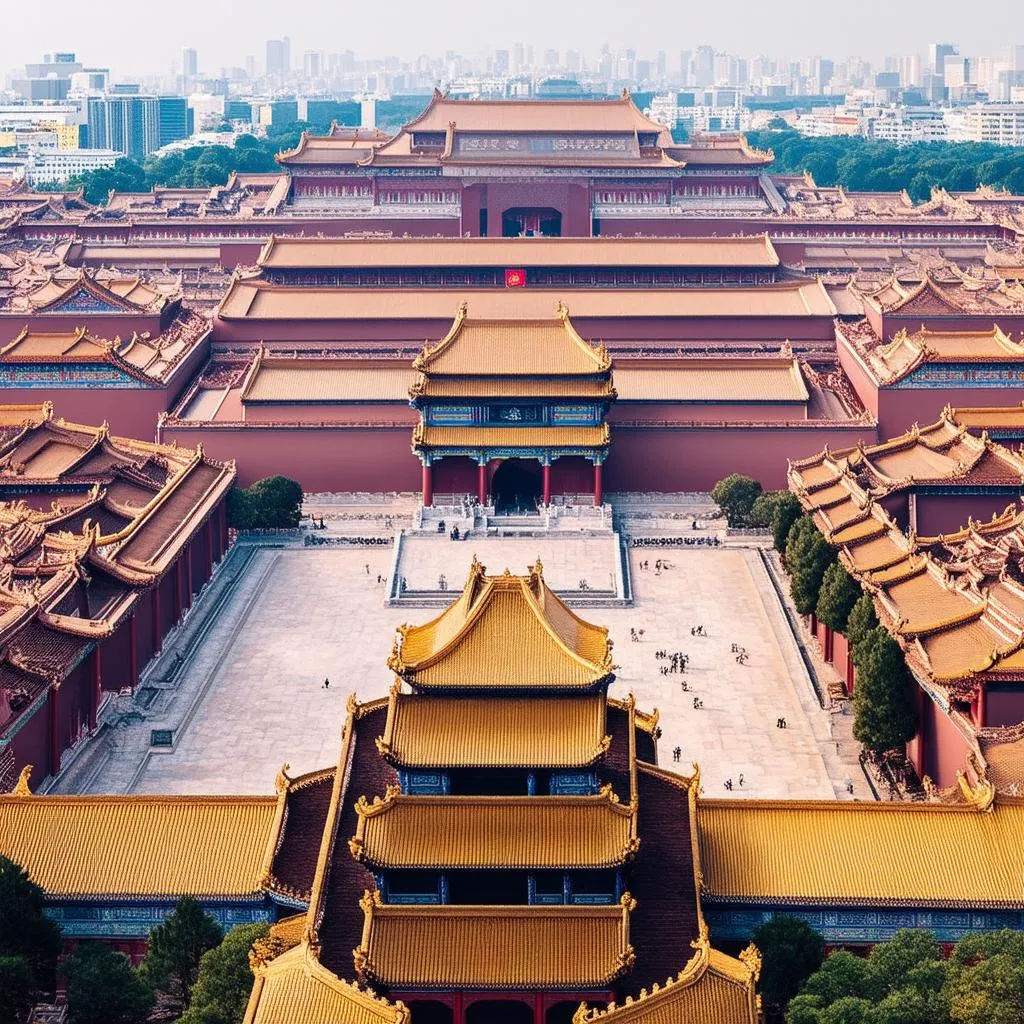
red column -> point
(157, 625)
(178, 574)
(598, 486)
(458, 1009)
(979, 707)
(538, 1000)
(95, 684)
(546, 474)
(428, 486)
(133, 652)
(224, 537)
(53, 703)
(189, 588)
(209, 547)
(481, 483)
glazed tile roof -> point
(315, 253)
(771, 379)
(132, 846)
(711, 989)
(325, 380)
(520, 386)
(933, 855)
(428, 437)
(514, 347)
(511, 947)
(437, 731)
(989, 419)
(254, 299)
(543, 644)
(495, 832)
(296, 987)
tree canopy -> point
(275, 502)
(736, 495)
(861, 620)
(220, 993)
(837, 597)
(907, 981)
(885, 716)
(176, 948)
(103, 988)
(791, 951)
(26, 934)
(868, 165)
(808, 555)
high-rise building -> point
(49, 81)
(129, 124)
(189, 65)
(704, 66)
(518, 57)
(312, 64)
(909, 68)
(175, 119)
(275, 58)
(502, 62)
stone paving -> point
(319, 614)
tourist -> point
(741, 780)
(728, 784)
(327, 684)
(677, 753)
(367, 568)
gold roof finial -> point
(21, 786)
(282, 779)
(751, 956)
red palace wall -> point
(321, 459)
(737, 412)
(571, 200)
(379, 459)
(945, 747)
(1004, 705)
(898, 409)
(695, 458)
(947, 513)
(31, 743)
(130, 413)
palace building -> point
(497, 843)
(105, 542)
(929, 524)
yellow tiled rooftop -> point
(138, 846)
(436, 731)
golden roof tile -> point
(512, 347)
(403, 831)
(769, 379)
(933, 855)
(711, 989)
(326, 380)
(542, 643)
(295, 987)
(138, 845)
(520, 947)
(360, 253)
(437, 731)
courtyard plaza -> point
(299, 617)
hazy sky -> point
(127, 37)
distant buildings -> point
(49, 166)
(127, 124)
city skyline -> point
(222, 41)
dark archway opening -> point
(430, 1011)
(562, 1013)
(531, 221)
(499, 1011)
(517, 486)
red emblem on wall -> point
(515, 278)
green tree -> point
(841, 975)
(176, 948)
(808, 555)
(985, 983)
(220, 994)
(785, 513)
(278, 501)
(25, 931)
(735, 495)
(861, 620)
(838, 595)
(103, 988)
(791, 951)
(17, 986)
(884, 713)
